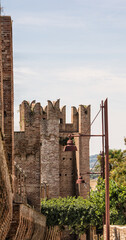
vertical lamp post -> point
(71, 147)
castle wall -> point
(50, 150)
(74, 164)
(1, 85)
(27, 151)
(67, 171)
(27, 224)
(7, 88)
(83, 149)
(39, 147)
(5, 194)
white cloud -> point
(22, 74)
(50, 20)
(91, 78)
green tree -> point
(117, 194)
(117, 165)
(70, 211)
(117, 160)
(79, 213)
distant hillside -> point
(93, 159)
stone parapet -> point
(5, 194)
(116, 232)
(26, 224)
(53, 233)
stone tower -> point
(27, 150)
(6, 89)
(50, 149)
(60, 169)
(39, 145)
(74, 163)
(6, 125)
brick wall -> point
(53, 233)
(7, 88)
(50, 149)
(5, 194)
(27, 150)
(67, 171)
(1, 85)
(27, 224)
(41, 131)
(20, 194)
(72, 164)
(83, 149)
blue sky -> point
(74, 50)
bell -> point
(80, 180)
(70, 145)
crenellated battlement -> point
(80, 118)
(84, 119)
(53, 110)
(32, 113)
(63, 115)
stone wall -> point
(116, 232)
(50, 149)
(20, 194)
(67, 171)
(74, 164)
(7, 89)
(53, 233)
(27, 224)
(5, 194)
(83, 149)
(1, 84)
(41, 132)
(27, 150)
(6, 126)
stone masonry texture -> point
(5, 194)
(7, 88)
(116, 232)
(40, 153)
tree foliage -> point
(117, 195)
(117, 160)
(79, 213)
(117, 165)
(70, 211)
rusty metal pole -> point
(103, 139)
(103, 148)
(106, 172)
